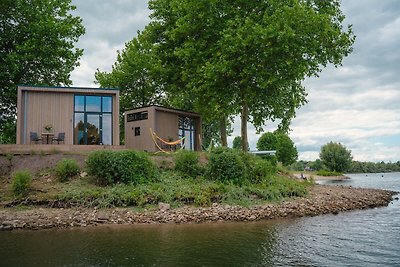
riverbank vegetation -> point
(132, 178)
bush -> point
(237, 166)
(127, 166)
(66, 169)
(226, 165)
(21, 182)
(187, 163)
(260, 169)
(328, 173)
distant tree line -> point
(355, 167)
(374, 167)
(336, 157)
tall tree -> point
(37, 41)
(247, 57)
(336, 157)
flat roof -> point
(66, 87)
(162, 108)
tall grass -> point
(21, 183)
(177, 190)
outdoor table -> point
(47, 138)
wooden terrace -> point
(27, 149)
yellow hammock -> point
(172, 143)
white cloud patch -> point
(109, 25)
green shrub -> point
(127, 166)
(187, 163)
(21, 182)
(226, 165)
(66, 169)
(237, 166)
(260, 169)
(272, 159)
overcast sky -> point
(357, 104)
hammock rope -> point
(172, 143)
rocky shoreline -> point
(322, 200)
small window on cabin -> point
(138, 116)
(137, 131)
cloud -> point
(109, 25)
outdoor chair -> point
(34, 137)
(60, 138)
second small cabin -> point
(169, 124)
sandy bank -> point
(322, 199)
(319, 177)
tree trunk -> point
(244, 117)
(222, 130)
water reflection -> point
(222, 244)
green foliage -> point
(238, 167)
(286, 151)
(187, 163)
(66, 169)
(267, 141)
(128, 166)
(260, 169)
(336, 157)
(230, 56)
(226, 165)
(328, 173)
(8, 131)
(21, 183)
(176, 190)
(298, 165)
(316, 165)
(374, 167)
(237, 142)
(37, 46)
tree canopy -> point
(286, 151)
(37, 41)
(336, 157)
(247, 57)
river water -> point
(356, 238)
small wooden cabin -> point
(167, 123)
(86, 116)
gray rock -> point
(163, 206)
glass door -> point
(93, 129)
(186, 129)
(93, 120)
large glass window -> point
(93, 103)
(107, 104)
(79, 129)
(79, 103)
(93, 120)
(107, 129)
(186, 129)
